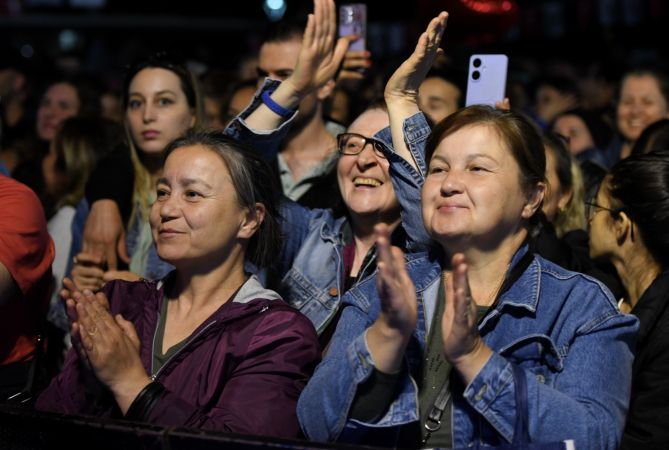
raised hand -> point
(120, 275)
(316, 66)
(388, 336)
(354, 66)
(401, 93)
(87, 272)
(403, 84)
(104, 235)
(504, 105)
(319, 57)
(463, 346)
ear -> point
(192, 118)
(564, 199)
(251, 221)
(326, 90)
(534, 199)
(623, 228)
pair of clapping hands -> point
(107, 345)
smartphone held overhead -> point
(486, 81)
(353, 20)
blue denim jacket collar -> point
(525, 292)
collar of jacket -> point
(652, 305)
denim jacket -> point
(562, 327)
(311, 268)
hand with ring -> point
(463, 346)
(112, 347)
(72, 296)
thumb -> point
(122, 249)
(128, 329)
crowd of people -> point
(307, 255)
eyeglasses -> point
(354, 144)
(593, 208)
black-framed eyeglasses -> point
(354, 144)
(592, 208)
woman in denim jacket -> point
(322, 256)
(456, 318)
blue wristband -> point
(275, 107)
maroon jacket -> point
(241, 371)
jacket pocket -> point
(537, 354)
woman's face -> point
(363, 179)
(59, 102)
(158, 111)
(574, 128)
(196, 217)
(472, 194)
(641, 103)
(600, 225)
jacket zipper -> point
(155, 375)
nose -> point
(148, 113)
(452, 183)
(168, 207)
(367, 158)
(48, 110)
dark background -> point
(103, 39)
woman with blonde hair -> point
(161, 101)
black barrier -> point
(26, 429)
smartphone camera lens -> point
(476, 75)
(477, 62)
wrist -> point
(387, 345)
(126, 391)
(401, 98)
(471, 363)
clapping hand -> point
(463, 346)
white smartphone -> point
(486, 81)
(353, 20)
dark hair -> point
(518, 133)
(253, 181)
(88, 94)
(453, 75)
(660, 77)
(654, 137)
(639, 186)
(564, 85)
(188, 81)
(559, 150)
(600, 131)
(286, 30)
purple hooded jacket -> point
(241, 371)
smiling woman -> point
(449, 342)
(207, 346)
